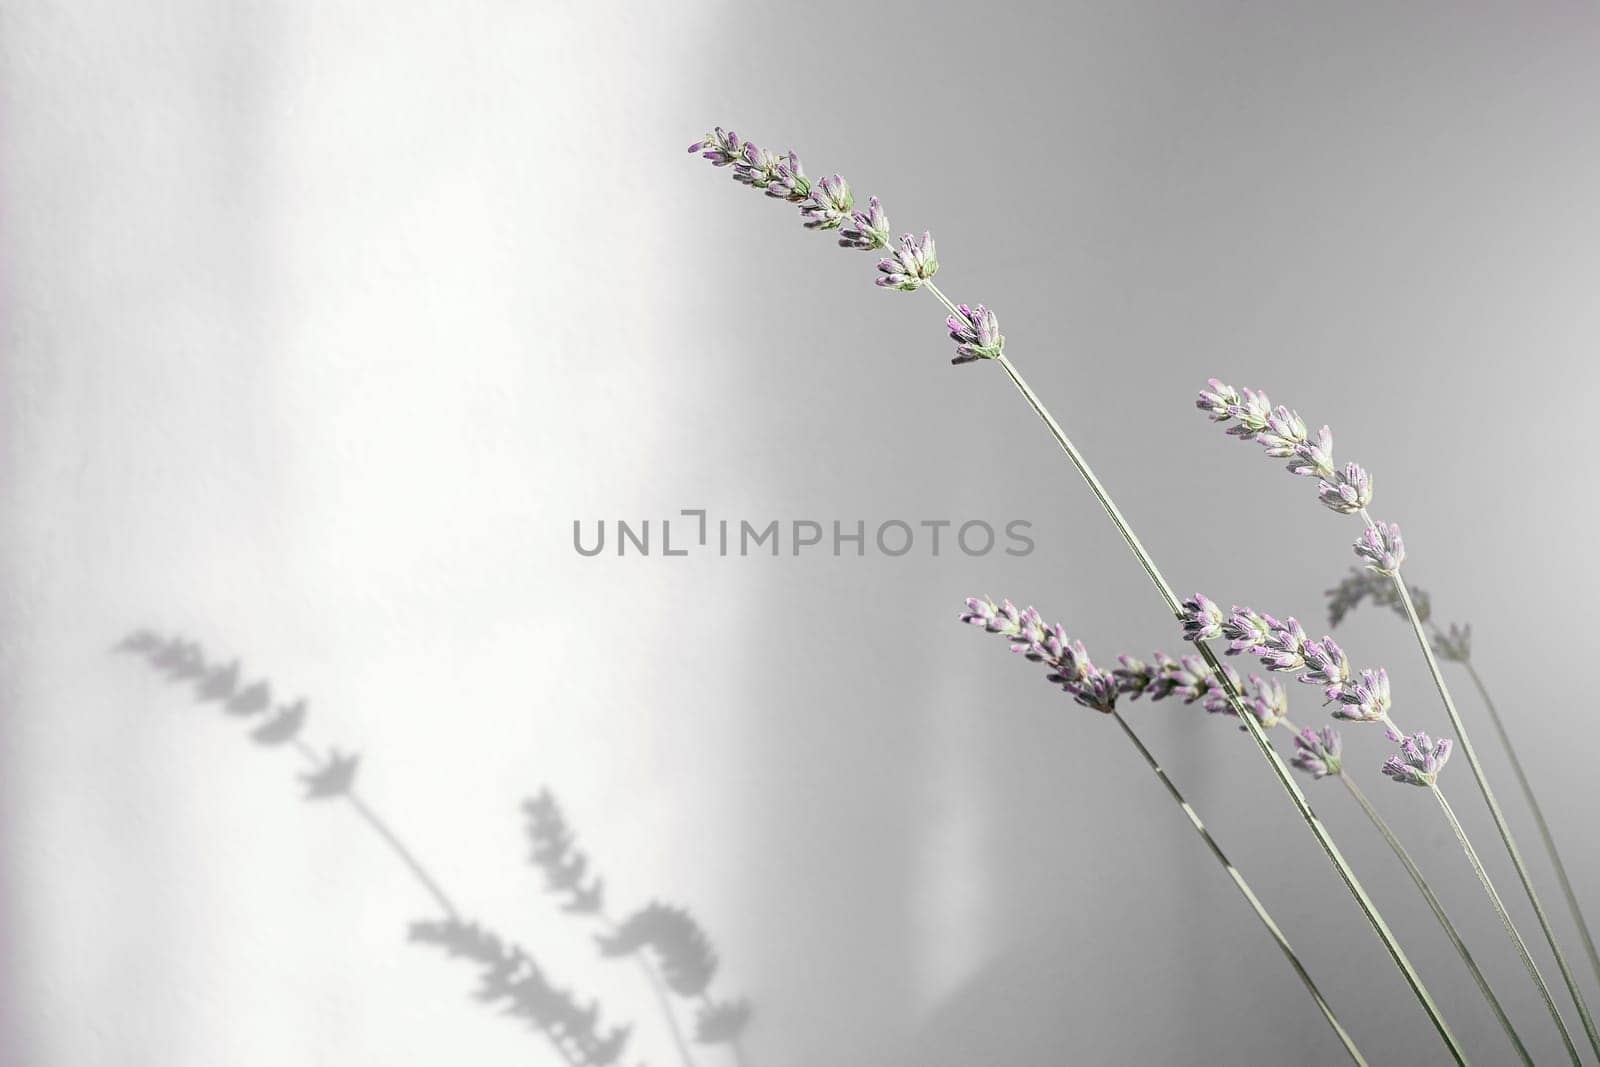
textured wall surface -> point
(322, 323)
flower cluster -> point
(829, 204)
(1420, 760)
(1380, 545)
(1192, 680)
(1284, 646)
(908, 266)
(1283, 433)
(868, 230)
(1041, 642)
(1317, 752)
(976, 333)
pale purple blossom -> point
(722, 147)
(1327, 666)
(976, 332)
(790, 182)
(908, 266)
(868, 229)
(1317, 752)
(1068, 660)
(756, 167)
(828, 205)
(1420, 760)
(1348, 491)
(1380, 545)
(1202, 618)
(1365, 698)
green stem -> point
(1538, 820)
(1275, 762)
(1465, 741)
(1244, 888)
(1505, 920)
(1438, 913)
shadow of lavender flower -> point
(510, 978)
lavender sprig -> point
(1350, 491)
(981, 347)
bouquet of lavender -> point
(1204, 676)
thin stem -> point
(1279, 768)
(1244, 888)
(1499, 816)
(1505, 920)
(1439, 913)
(1538, 819)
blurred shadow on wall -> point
(669, 946)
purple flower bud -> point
(869, 229)
(1134, 676)
(755, 167)
(1317, 753)
(722, 147)
(1327, 666)
(976, 332)
(1420, 760)
(1190, 678)
(789, 182)
(1380, 545)
(1097, 690)
(1348, 491)
(1202, 618)
(1168, 673)
(1268, 699)
(1219, 400)
(1366, 698)
(1284, 648)
(1314, 457)
(1215, 694)
(1246, 629)
(828, 204)
(908, 266)
(1284, 434)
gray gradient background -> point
(322, 322)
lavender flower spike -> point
(1202, 618)
(1420, 760)
(908, 266)
(722, 147)
(1042, 643)
(1348, 491)
(867, 230)
(976, 333)
(1382, 548)
(789, 181)
(828, 204)
(1317, 753)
